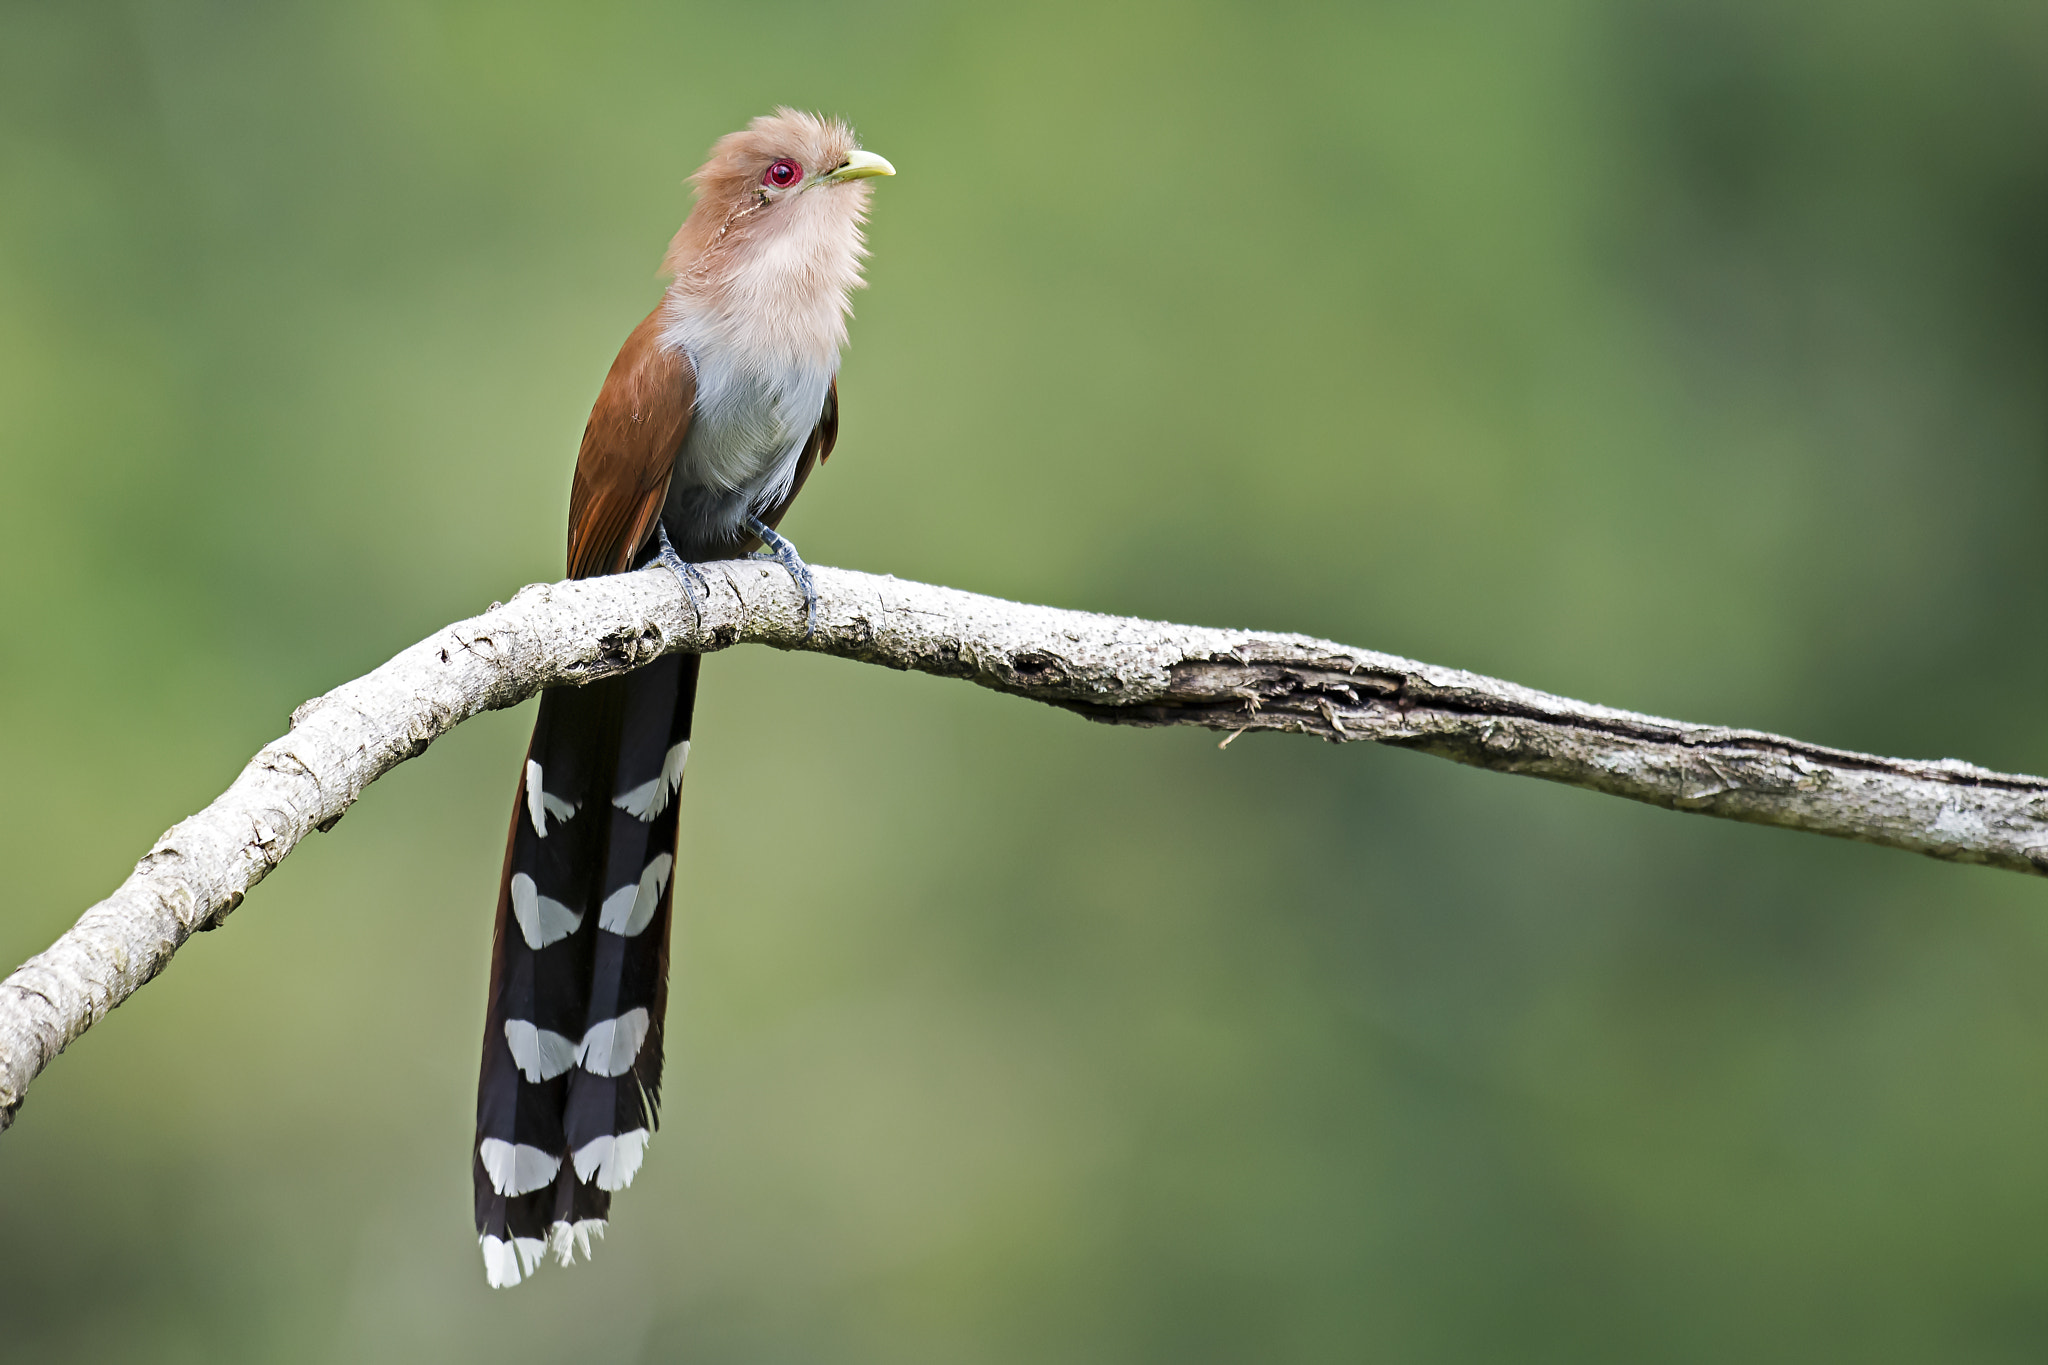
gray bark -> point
(1108, 668)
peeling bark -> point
(1115, 669)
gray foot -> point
(686, 573)
(784, 553)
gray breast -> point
(752, 417)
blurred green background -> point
(1684, 355)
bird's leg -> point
(686, 573)
(783, 553)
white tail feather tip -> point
(539, 805)
(516, 1168)
(501, 1263)
(630, 909)
(541, 1055)
(542, 920)
(610, 1163)
(566, 1239)
(651, 797)
(507, 1263)
(610, 1047)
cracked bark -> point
(1113, 669)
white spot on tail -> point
(628, 910)
(507, 1263)
(651, 797)
(541, 1055)
(541, 920)
(610, 1163)
(566, 1239)
(609, 1048)
(539, 805)
(516, 1169)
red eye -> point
(783, 174)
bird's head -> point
(789, 185)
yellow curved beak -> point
(859, 166)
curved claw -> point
(785, 554)
(685, 572)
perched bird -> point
(717, 409)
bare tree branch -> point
(1107, 668)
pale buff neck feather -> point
(772, 280)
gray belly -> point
(747, 433)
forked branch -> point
(1108, 668)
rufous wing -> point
(629, 447)
(827, 434)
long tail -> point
(571, 1073)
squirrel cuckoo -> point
(717, 409)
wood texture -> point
(1114, 669)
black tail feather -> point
(571, 1069)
